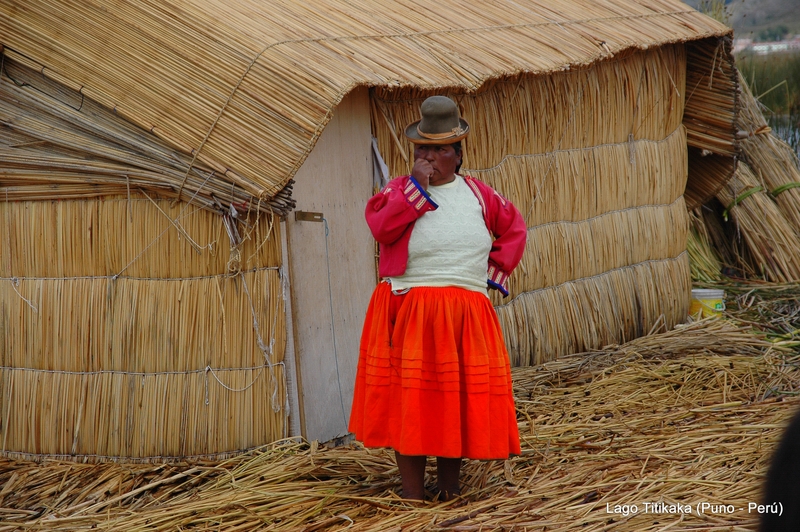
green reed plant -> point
(775, 81)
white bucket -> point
(707, 302)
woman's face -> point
(442, 158)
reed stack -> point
(753, 222)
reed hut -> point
(184, 268)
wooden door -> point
(331, 267)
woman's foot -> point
(448, 471)
(446, 495)
(412, 475)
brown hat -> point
(440, 123)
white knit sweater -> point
(449, 246)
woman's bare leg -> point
(448, 471)
(412, 475)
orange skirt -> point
(433, 376)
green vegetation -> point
(775, 81)
(715, 9)
(775, 33)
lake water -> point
(787, 128)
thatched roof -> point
(246, 87)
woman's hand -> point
(422, 172)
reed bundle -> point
(762, 199)
(584, 183)
(770, 158)
(138, 329)
(141, 325)
(246, 88)
(712, 96)
(717, 171)
(710, 117)
(725, 239)
(687, 416)
(57, 143)
(703, 258)
(770, 239)
(145, 417)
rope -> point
(784, 188)
(743, 196)
(116, 276)
(265, 350)
(209, 369)
(133, 373)
(14, 284)
(174, 222)
(177, 226)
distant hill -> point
(759, 18)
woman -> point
(433, 375)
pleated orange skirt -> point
(433, 376)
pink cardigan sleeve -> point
(390, 212)
(511, 233)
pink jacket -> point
(391, 215)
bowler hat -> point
(440, 123)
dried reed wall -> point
(596, 161)
(132, 329)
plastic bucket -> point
(707, 302)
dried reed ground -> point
(688, 416)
